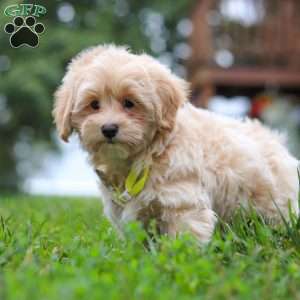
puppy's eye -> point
(127, 103)
(95, 105)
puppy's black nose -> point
(110, 130)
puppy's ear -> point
(173, 92)
(62, 110)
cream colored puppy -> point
(159, 157)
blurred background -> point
(242, 58)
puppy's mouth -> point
(112, 142)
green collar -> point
(134, 184)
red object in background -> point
(259, 104)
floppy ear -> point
(62, 110)
(64, 95)
(173, 92)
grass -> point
(63, 248)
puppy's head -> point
(113, 98)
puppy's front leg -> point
(198, 221)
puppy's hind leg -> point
(198, 221)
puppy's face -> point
(114, 107)
(116, 100)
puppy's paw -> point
(199, 222)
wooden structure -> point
(260, 53)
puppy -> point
(159, 157)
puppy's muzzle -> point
(110, 130)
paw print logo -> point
(24, 32)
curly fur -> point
(202, 165)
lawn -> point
(63, 248)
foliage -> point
(29, 76)
(64, 249)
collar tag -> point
(134, 184)
(121, 198)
